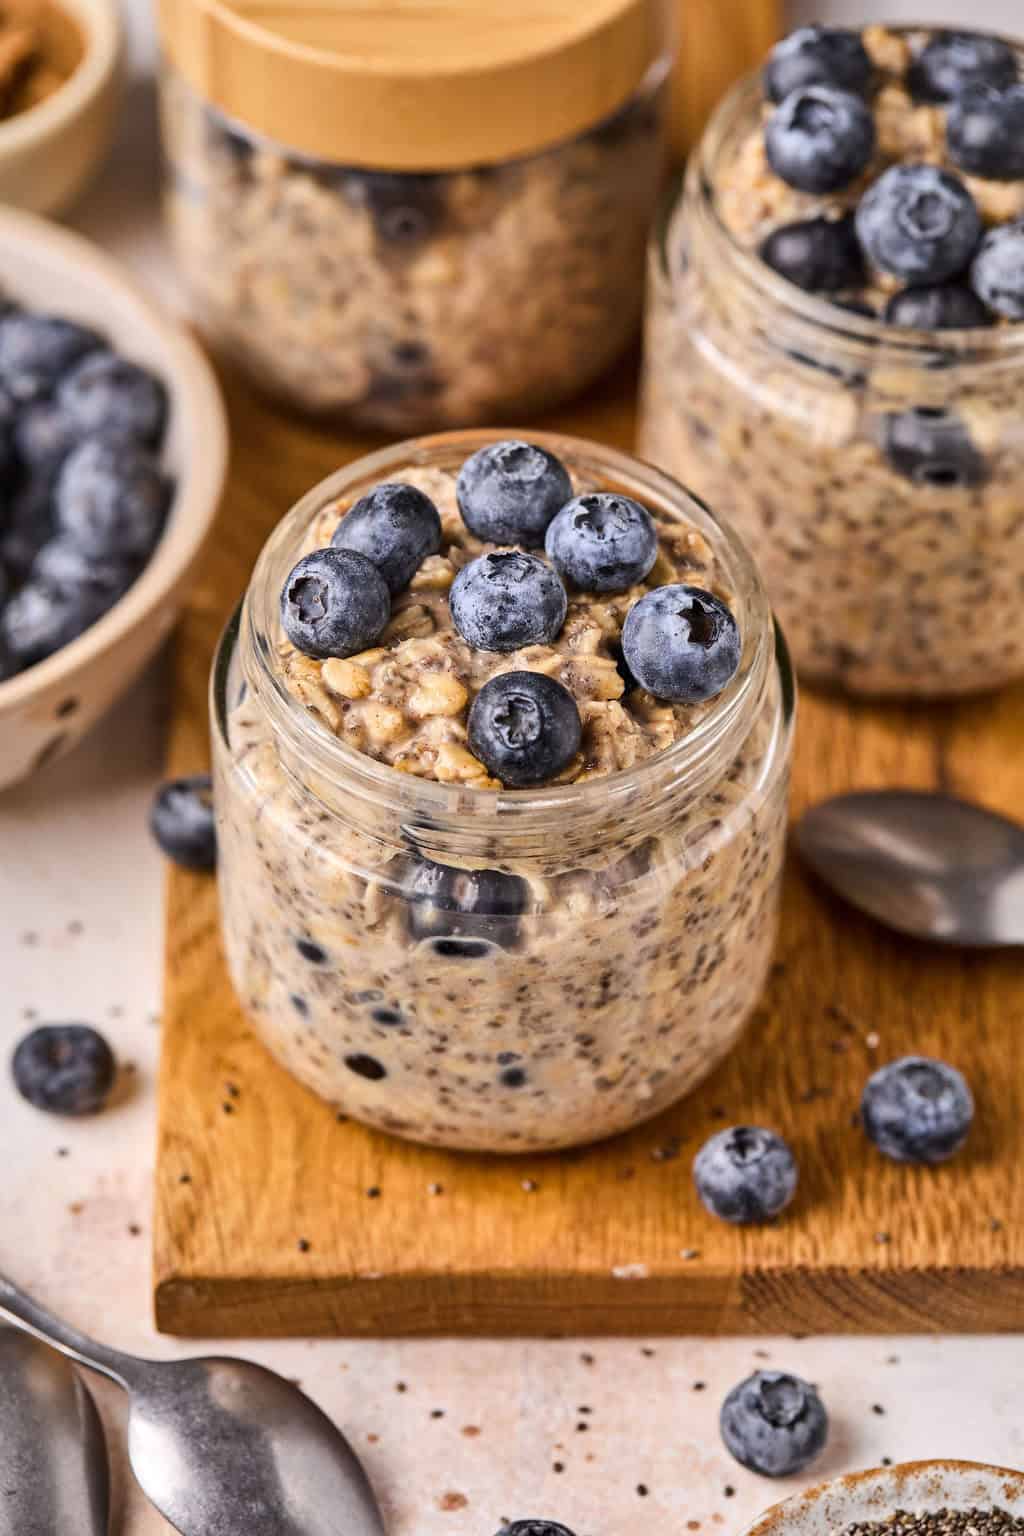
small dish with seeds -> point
(921, 1498)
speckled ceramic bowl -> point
(44, 710)
(916, 1486)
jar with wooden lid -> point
(413, 218)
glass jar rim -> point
(970, 347)
(684, 766)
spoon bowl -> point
(925, 864)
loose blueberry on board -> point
(61, 563)
(524, 727)
(918, 223)
(941, 307)
(182, 821)
(464, 913)
(997, 275)
(917, 1111)
(111, 499)
(602, 542)
(774, 1424)
(951, 61)
(985, 132)
(41, 619)
(509, 491)
(833, 56)
(818, 255)
(681, 643)
(745, 1175)
(67, 1069)
(819, 138)
(335, 602)
(933, 448)
(37, 350)
(44, 436)
(506, 600)
(106, 394)
(535, 1528)
(396, 527)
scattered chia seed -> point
(647, 1352)
(995, 1225)
(184, 1178)
(232, 1090)
(729, 1492)
(400, 1386)
(881, 1238)
(373, 1193)
(134, 1229)
(435, 1189)
(587, 1359)
(877, 1408)
(304, 1245)
(558, 1466)
(228, 1109)
(689, 1254)
(699, 1386)
(581, 1428)
(63, 1151)
(942, 1522)
(642, 1489)
(530, 1186)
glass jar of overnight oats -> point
(415, 222)
(862, 430)
(468, 965)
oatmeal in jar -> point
(834, 353)
(501, 753)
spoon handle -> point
(30, 1317)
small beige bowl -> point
(44, 710)
(48, 153)
(918, 1487)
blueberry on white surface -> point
(917, 1110)
(818, 139)
(524, 727)
(774, 1424)
(997, 275)
(67, 1069)
(918, 223)
(111, 499)
(602, 542)
(681, 643)
(395, 526)
(505, 600)
(817, 56)
(334, 603)
(509, 491)
(182, 821)
(952, 61)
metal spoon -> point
(927, 864)
(221, 1445)
(53, 1455)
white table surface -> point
(80, 892)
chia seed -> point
(941, 1522)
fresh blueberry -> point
(524, 727)
(41, 619)
(535, 1528)
(61, 563)
(37, 350)
(396, 527)
(111, 499)
(774, 1424)
(8, 421)
(745, 1175)
(407, 209)
(602, 542)
(29, 523)
(998, 271)
(819, 138)
(817, 56)
(932, 447)
(819, 255)
(334, 603)
(107, 394)
(181, 819)
(44, 436)
(919, 223)
(942, 307)
(508, 492)
(985, 132)
(506, 600)
(68, 1069)
(464, 913)
(917, 1111)
(950, 62)
(681, 643)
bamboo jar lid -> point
(409, 85)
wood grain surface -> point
(264, 1223)
(719, 40)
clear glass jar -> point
(409, 301)
(600, 968)
(781, 410)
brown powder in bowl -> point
(40, 47)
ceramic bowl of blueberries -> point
(918, 1498)
(113, 453)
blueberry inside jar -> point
(835, 350)
(523, 905)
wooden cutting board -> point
(272, 1218)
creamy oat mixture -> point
(414, 301)
(889, 577)
(604, 970)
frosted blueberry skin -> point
(183, 823)
(111, 499)
(334, 603)
(65, 1069)
(997, 275)
(681, 643)
(745, 1175)
(985, 132)
(525, 728)
(37, 350)
(602, 542)
(917, 1110)
(774, 1424)
(819, 139)
(509, 491)
(106, 393)
(818, 255)
(508, 599)
(817, 55)
(396, 527)
(951, 62)
(918, 223)
(42, 618)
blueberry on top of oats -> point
(820, 138)
(602, 542)
(396, 527)
(334, 603)
(919, 223)
(998, 271)
(985, 132)
(817, 56)
(951, 61)
(818, 255)
(681, 643)
(506, 600)
(509, 491)
(524, 727)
